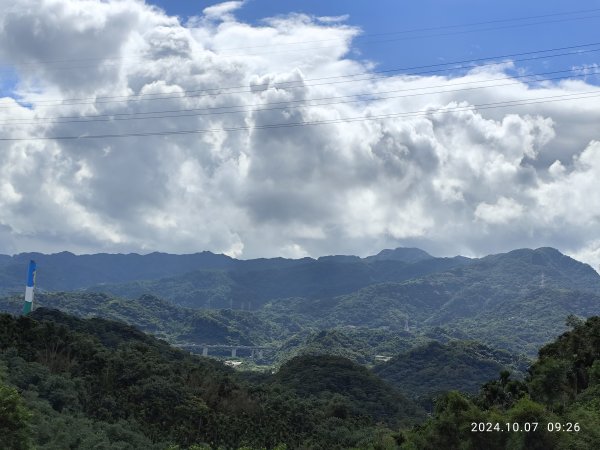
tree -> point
(14, 419)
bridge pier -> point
(255, 352)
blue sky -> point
(429, 47)
(421, 48)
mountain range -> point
(365, 309)
(73, 383)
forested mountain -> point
(161, 318)
(249, 287)
(558, 403)
(446, 323)
(526, 322)
(417, 357)
(428, 370)
(73, 383)
(206, 280)
(420, 365)
(361, 345)
(407, 255)
(349, 389)
(66, 271)
(520, 324)
(516, 301)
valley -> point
(380, 339)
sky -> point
(260, 128)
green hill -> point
(516, 301)
(207, 279)
(526, 322)
(65, 271)
(92, 383)
(348, 389)
(497, 300)
(430, 369)
(407, 255)
(160, 318)
(360, 345)
(249, 286)
(556, 407)
(67, 382)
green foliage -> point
(100, 384)
(161, 318)
(430, 369)
(14, 419)
(249, 284)
(346, 389)
(558, 390)
(501, 393)
(515, 301)
(358, 344)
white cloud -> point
(333, 19)
(503, 211)
(590, 253)
(293, 251)
(222, 11)
(466, 181)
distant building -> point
(233, 363)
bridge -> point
(255, 351)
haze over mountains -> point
(338, 273)
(384, 304)
(398, 328)
(66, 270)
(516, 300)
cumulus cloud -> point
(462, 179)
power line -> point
(194, 112)
(371, 93)
(415, 30)
(578, 49)
(443, 110)
(406, 38)
(593, 10)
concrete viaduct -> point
(256, 351)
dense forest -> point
(473, 363)
(73, 383)
(561, 394)
(159, 317)
(396, 350)
(515, 301)
(428, 370)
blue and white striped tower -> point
(27, 306)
